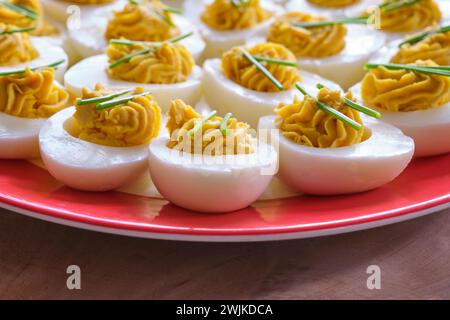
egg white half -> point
(19, 137)
(84, 165)
(89, 39)
(444, 5)
(211, 183)
(331, 171)
(90, 71)
(48, 53)
(430, 128)
(349, 11)
(247, 105)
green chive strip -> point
(224, 123)
(20, 71)
(81, 102)
(324, 23)
(199, 125)
(399, 5)
(359, 107)
(19, 30)
(30, 14)
(262, 69)
(125, 42)
(116, 102)
(276, 61)
(128, 57)
(436, 70)
(338, 115)
(173, 10)
(424, 35)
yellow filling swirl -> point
(224, 15)
(133, 123)
(333, 3)
(166, 64)
(15, 48)
(209, 139)
(435, 47)
(239, 69)
(147, 21)
(417, 16)
(42, 27)
(402, 90)
(304, 123)
(32, 94)
(312, 42)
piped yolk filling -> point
(317, 42)
(224, 15)
(333, 3)
(208, 139)
(164, 64)
(304, 123)
(146, 21)
(417, 16)
(132, 123)
(32, 94)
(239, 69)
(435, 47)
(15, 48)
(42, 27)
(403, 90)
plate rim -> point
(274, 236)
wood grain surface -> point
(414, 258)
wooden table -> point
(414, 258)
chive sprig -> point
(18, 30)
(394, 5)
(224, 123)
(262, 69)
(152, 47)
(324, 23)
(330, 110)
(24, 11)
(434, 70)
(81, 102)
(53, 65)
(359, 107)
(119, 101)
(424, 35)
(200, 124)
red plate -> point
(423, 188)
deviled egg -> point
(27, 99)
(226, 23)
(413, 97)
(18, 50)
(332, 8)
(166, 69)
(140, 21)
(398, 18)
(331, 49)
(101, 143)
(251, 89)
(210, 164)
(327, 147)
(433, 44)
